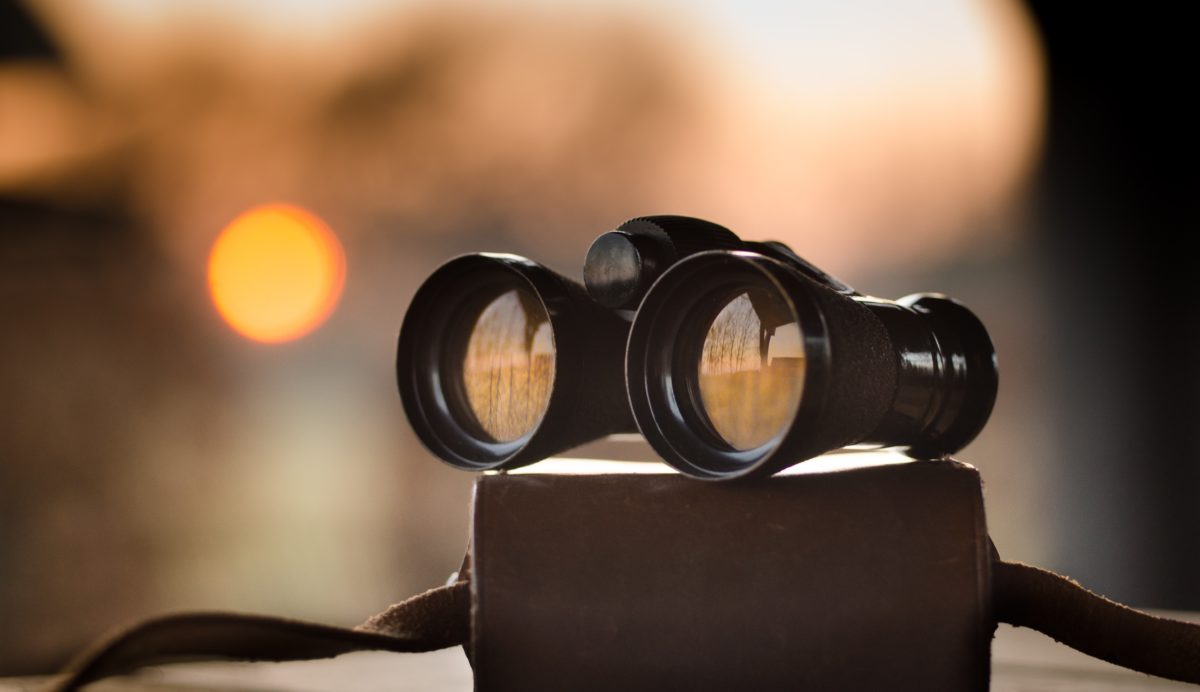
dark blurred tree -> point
(21, 37)
(97, 343)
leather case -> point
(875, 578)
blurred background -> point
(162, 447)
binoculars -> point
(733, 358)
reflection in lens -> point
(751, 370)
(508, 370)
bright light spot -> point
(275, 273)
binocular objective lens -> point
(751, 369)
(508, 365)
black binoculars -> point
(733, 358)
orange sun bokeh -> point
(275, 273)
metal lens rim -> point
(661, 371)
(969, 378)
(428, 376)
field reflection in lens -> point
(508, 369)
(751, 369)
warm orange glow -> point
(275, 273)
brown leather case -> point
(870, 579)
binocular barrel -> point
(742, 365)
(741, 359)
(502, 362)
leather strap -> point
(1024, 596)
(437, 619)
(1052, 604)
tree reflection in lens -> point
(751, 370)
(508, 370)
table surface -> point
(1022, 660)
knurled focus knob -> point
(622, 264)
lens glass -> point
(508, 366)
(751, 370)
